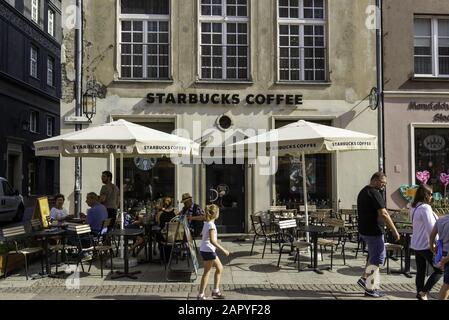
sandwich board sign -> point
(42, 211)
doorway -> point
(15, 171)
(226, 188)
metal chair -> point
(260, 231)
(102, 245)
(336, 238)
(287, 231)
(18, 237)
(81, 236)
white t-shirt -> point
(206, 245)
(423, 220)
(58, 214)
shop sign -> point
(228, 98)
(434, 143)
(432, 106)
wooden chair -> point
(287, 231)
(336, 238)
(260, 231)
(17, 236)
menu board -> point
(190, 244)
(42, 211)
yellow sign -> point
(42, 211)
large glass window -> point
(302, 49)
(289, 183)
(144, 45)
(432, 47)
(145, 178)
(432, 154)
(224, 49)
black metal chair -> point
(81, 240)
(334, 239)
(102, 244)
(260, 231)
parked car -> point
(11, 203)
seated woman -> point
(58, 212)
(165, 215)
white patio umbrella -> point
(302, 137)
(121, 138)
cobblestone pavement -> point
(245, 277)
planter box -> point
(15, 261)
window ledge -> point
(143, 81)
(431, 79)
(224, 81)
(307, 83)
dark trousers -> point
(422, 258)
(112, 214)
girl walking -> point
(423, 220)
(207, 249)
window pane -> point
(126, 37)
(444, 65)
(126, 25)
(443, 28)
(163, 72)
(126, 72)
(145, 6)
(137, 72)
(217, 74)
(423, 27)
(423, 65)
(206, 73)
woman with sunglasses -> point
(423, 220)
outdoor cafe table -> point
(407, 233)
(315, 231)
(126, 234)
(44, 235)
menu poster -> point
(42, 211)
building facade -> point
(30, 77)
(221, 69)
(416, 76)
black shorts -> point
(208, 256)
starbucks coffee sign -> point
(432, 106)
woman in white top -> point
(208, 247)
(423, 220)
(58, 212)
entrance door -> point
(226, 188)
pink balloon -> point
(423, 176)
(444, 178)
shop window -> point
(432, 155)
(302, 49)
(224, 45)
(145, 44)
(431, 48)
(288, 179)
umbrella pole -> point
(122, 254)
(304, 190)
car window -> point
(8, 191)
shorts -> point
(446, 271)
(208, 256)
(376, 249)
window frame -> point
(435, 38)
(51, 122)
(145, 19)
(224, 19)
(51, 22)
(34, 121)
(302, 22)
(34, 61)
(51, 62)
(35, 4)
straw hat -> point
(185, 197)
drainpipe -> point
(380, 87)
(78, 98)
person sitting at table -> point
(96, 214)
(58, 212)
(133, 220)
(164, 215)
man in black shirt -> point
(372, 217)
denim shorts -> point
(376, 249)
(208, 256)
(446, 271)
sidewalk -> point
(245, 277)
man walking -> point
(109, 196)
(372, 217)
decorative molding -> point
(28, 29)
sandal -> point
(203, 297)
(217, 295)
